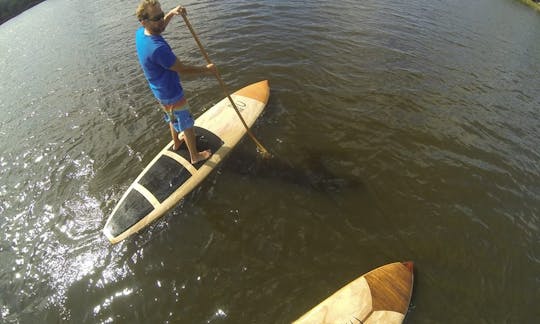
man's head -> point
(151, 16)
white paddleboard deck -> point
(170, 175)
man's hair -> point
(142, 9)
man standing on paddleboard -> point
(161, 68)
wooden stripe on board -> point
(180, 159)
(147, 194)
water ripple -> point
(428, 107)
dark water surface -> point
(402, 130)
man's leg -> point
(196, 156)
(174, 134)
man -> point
(161, 68)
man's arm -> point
(178, 66)
(192, 69)
(174, 12)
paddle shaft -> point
(263, 150)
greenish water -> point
(401, 131)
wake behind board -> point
(170, 175)
(379, 296)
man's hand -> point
(178, 11)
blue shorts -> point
(182, 119)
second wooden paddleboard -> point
(379, 296)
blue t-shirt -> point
(156, 57)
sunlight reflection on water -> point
(427, 106)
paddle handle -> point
(262, 149)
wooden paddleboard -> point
(170, 175)
(379, 296)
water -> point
(401, 131)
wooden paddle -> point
(264, 152)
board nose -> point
(259, 91)
(409, 265)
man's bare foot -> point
(201, 156)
